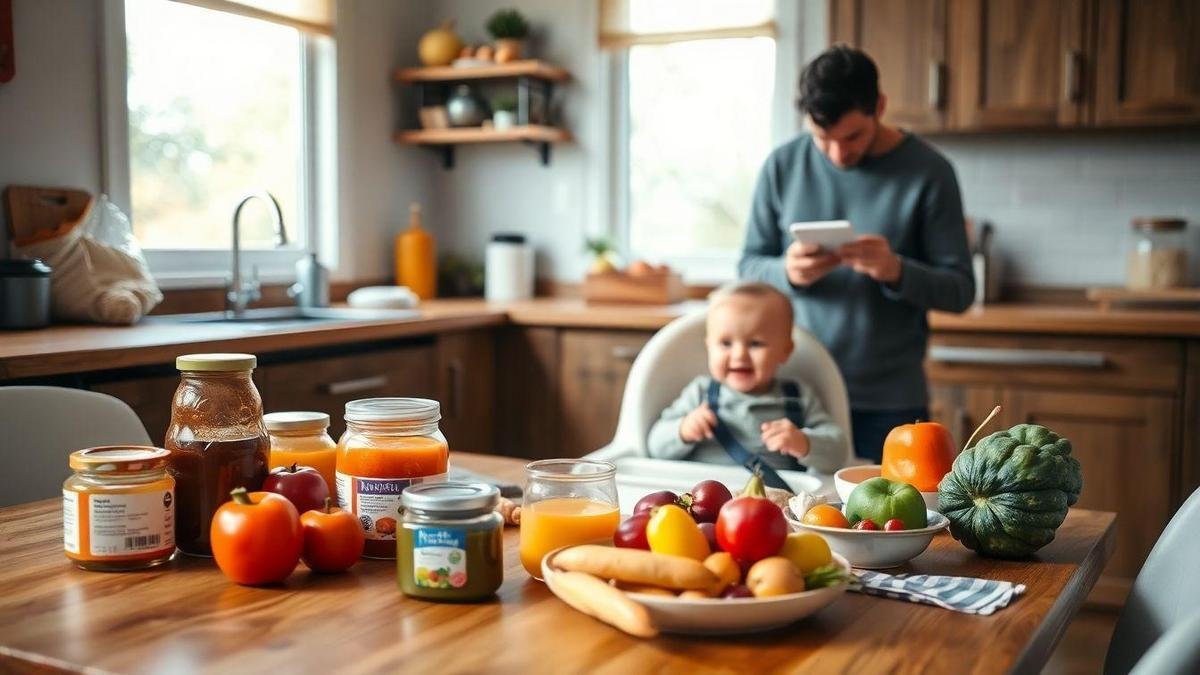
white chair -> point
(1166, 594)
(1177, 652)
(41, 426)
(676, 355)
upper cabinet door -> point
(1148, 62)
(907, 40)
(1017, 64)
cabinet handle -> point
(454, 390)
(989, 356)
(354, 386)
(625, 352)
(937, 76)
(1073, 76)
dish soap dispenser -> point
(416, 257)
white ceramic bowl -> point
(876, 549)
(845, 480)
(720, 616)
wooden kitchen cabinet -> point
(962, 407)
(907, 40)
(1147, 60)
(594, 365)
(149, 396)
(327, 383)
(1017, 63)
(1189, 470)
(466, 388)
(527, 401)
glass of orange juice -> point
(567, 502)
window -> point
(220, 103)
(695, 127)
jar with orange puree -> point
(302, 438)
(389, 444)
(119, 508)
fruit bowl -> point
(875, 549)
(845, 480)
(727, 616)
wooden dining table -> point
(185, 616)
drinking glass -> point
(567, 502)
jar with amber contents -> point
(119, 508)
(217, 440)
(389, 444)
(302, 438)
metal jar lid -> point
(216, 363)
(393, 410)
(450, 497)
(119, 459)
(296, 421)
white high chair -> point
(676, 355)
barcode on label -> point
(143, 541)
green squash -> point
(1006, 496)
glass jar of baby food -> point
(566, 502)
(389, 444)
(1158, 257)
(302, 438)
(119, 508)
(450, 546)
(217, 441)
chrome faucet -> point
(241, 293)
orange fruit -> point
(920, 454)
(825, 515)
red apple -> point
(303, 486)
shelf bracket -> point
(447, 156)
(543, 150)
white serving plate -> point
(876, 549)
(845, 480)
(639, 476)
(719, 616)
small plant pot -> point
(504, 119)
(515, 46)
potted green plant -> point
(504, 111)
(509, 28)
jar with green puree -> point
(450, 545)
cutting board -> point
(36, 213)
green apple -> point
(880, 500)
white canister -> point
(508, 268)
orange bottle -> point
(416, 257)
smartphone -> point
(829, 234)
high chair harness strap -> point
(740, 454)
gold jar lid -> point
(215, 363)
(119, 459)
(296, 421)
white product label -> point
(71, 521)
(122, 524)
(376, 501)
(439, 557)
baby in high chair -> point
(741, 413)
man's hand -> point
(783, 437)
(806, 263)
(871, 255)
(698, 424)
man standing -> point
(867, 300)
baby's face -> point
(748, 338)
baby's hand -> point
(698, 424)
(782, 436)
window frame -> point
(316, 196)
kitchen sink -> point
(285, 315)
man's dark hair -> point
(839, 80)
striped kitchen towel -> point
(961, 594)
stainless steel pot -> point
(24, 294)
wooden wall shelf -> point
(446, 139)
(526, 68)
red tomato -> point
(751, 528)
(256, 538)
(333, 539)
(893, 525)
(866, 524)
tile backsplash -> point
(1062, 204)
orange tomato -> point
(333, 539)
(920, 454)
(825, 515)
(256, 538)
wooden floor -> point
(1082, 649)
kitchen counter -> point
(75, 349)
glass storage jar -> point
(1158, 257)
(450, 546)
(119, 508)
(566, 502)
(302, 438)
(217, 441)
(389, 444)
